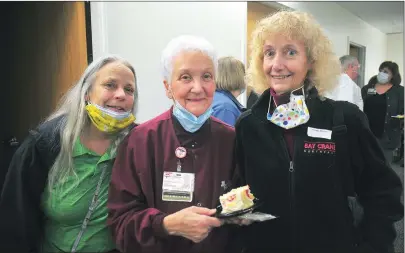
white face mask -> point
(292, 114)
(382, 77)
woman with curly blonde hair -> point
(312, 161)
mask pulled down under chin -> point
(189, 121)
(290, 115)
(109, 121)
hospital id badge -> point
(371, 91)
(178, 186)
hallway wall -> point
(139, 31)
(341, 26)
(395, 51)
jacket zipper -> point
(291, 184)
(292, 204)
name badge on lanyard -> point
(371, 91)
(178, 186)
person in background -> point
(384, 98)
(55, 195)
(230, 83)
(309, 159)
(373, 80)
(252, 97)
(347, 89)
(148, 210)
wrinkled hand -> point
(193, 223)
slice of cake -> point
(237, 199)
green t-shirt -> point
(66, 208)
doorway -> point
(359, 52)
(255, 12)
(45, 50)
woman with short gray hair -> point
(230, 82)
(148, 210)
(55, 193)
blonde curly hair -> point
(300, 26)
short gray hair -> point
(347, 60)
(231, 74)
(185, 43)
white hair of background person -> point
(347, 60)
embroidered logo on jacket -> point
(319, 147)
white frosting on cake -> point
(237, 199)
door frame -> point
(89, 37)
(362, 60)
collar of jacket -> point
(231, 97)
(47, 137)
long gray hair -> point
(75, 120)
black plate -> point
(256, 203)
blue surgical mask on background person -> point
(382, 77)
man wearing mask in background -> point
(347, 89)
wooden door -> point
(50, 55)
(256, 11)
(44, 48)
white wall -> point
(138, 31)
(341, 26)
(395, 51)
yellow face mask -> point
(109, 121)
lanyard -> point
(92, 206)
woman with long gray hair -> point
(54, 197)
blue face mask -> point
(190, 122)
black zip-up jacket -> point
(21, 217)
(308, 193)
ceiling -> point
(388, 17)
